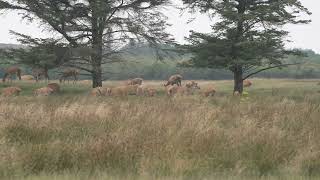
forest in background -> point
(141, 61)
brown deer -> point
(44, 91)
(11, 91)
(134, 81)
(209, 91)
(27, 77)
(69, 73)
(124, 90)
(14, 70)
(247, 83)
(143, 90)
(192, 84)
(188, 89)
(54, 86)
(174, 79)
(40, 72)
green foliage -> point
(141, 62)
(100, 27)
(245, 36)
(38, 53)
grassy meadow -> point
(274, 133)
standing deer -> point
(134, 81)
(174, 79)
(69, 73)
(40, 72)
(14, 70)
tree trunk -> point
(96, 59)
(97, 49)
(238, 79)
(97, 76)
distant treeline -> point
(142, 62)
(144, 65)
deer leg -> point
(75, 79)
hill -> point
(8, 46)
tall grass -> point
(273, 136)
(187, 137)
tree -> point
(96, 30)
(37, 53)
(247, 36)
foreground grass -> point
(108, 177)
(272, 135)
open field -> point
(272, 134)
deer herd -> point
(173, 87)
(135, 86)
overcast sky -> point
(303, 36)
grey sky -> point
(303, 36)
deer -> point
(174, 79)
(69, 73)
(14, 70)
(40, 72)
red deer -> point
(146, 91)
(174, 79)
(40, 72)
(124, 90)
(134, 81)
(10, 72)
(192, 84)
(247, 83)
(27, 77)
(151, 92)
(45, 91)
(209, 91)
(69, 73)
(54, 86)
(187, 90)
(11, 91)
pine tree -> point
(247, 36)
(99, 27)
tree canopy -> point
(247, 35)
(98, 29)
(37, 52)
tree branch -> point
(267, 68)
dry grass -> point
(272, 135)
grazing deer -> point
(209, 91)
(40, 72)
(192, 84)
(187, 90)
(44, 91)
(11, 91)
(174, 79)
(124, 90)
(14, 70)
(54, 86)
(143, 90)
(69, 73)
(134, 81)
